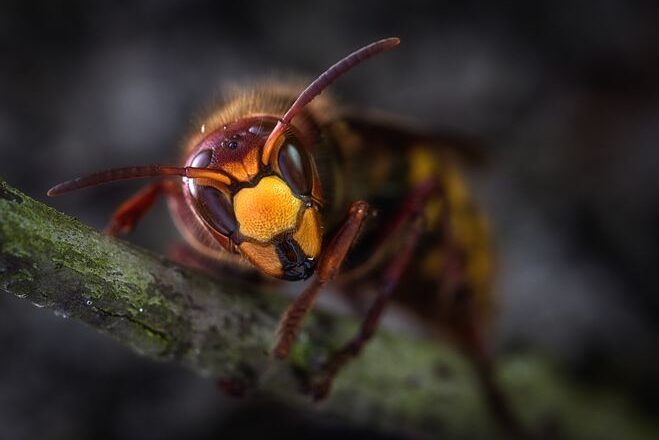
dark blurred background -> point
(564, 96)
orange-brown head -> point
(253, 182)
(266, 211)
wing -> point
(390, 131)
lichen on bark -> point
(225, 329)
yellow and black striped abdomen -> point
(456, 227)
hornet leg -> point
(411, 216)
(125, 217)
(329, 264)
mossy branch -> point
(225, 329)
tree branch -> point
(225, 329)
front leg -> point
(411, 221)
(126, 216)
(390, 281)
(328, 266)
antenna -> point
(321, 83)
(117, 174)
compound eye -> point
(216, 209)
(202, 159)
(295, 168)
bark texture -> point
(225, 329)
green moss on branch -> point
(225, 329)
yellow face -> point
(268, 212)
(282, 234)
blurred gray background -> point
(563, 95)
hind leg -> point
(465, 320)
